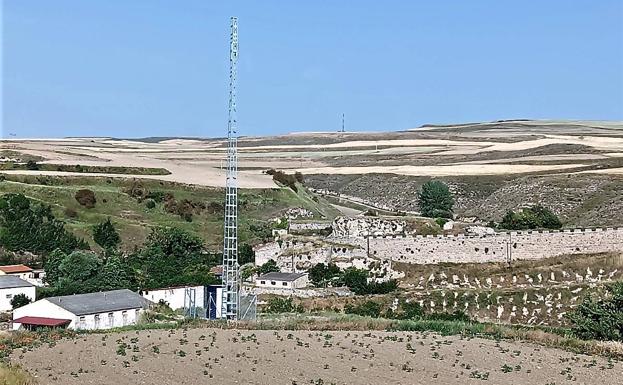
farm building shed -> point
(10, 286)
(21, 271)
(93, 311)
(282, 280)
(177, 297)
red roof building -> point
(33, 322)
(15, 269)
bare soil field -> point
(198, 356)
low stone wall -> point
(498, 247)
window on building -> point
(82, 322)
(284, 283)
(111, 319)
(124, 317)
(96, 319)
(9, 296)
(273, 283)
(263, 282)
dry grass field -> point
(203, 355)
(491, 166)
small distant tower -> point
(231, 276)
(343, 129)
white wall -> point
(174, 296)
(20, 275)
(7, 294)
(44, 308)
(277, 284)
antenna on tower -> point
(231, 277)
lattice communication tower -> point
(231, 275)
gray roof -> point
(281, 276)
(102, 302)
(11, 281)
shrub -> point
(269, 267)
(299, 177)
(86, 198)
(70, 212)
(105, 235)
(600, 319)
(320, 274)
(435, 200)
(283, 178)
(533, 217)
(150, 204)
(20, 300)
(282, 305)
(366, 309)
(32, 165)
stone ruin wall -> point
(498, 247)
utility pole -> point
(231, 275)
(343, 129)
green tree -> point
(269, 267)
(356, 280)
(321, 275)
(171, 256)
(435, 200)
(105, 235)
(28, 226)
(20, 300)
(246, 254)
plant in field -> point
(600, 318)
(435, 200)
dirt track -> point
(206, 356)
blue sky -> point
(134, 68)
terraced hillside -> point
(574, 167)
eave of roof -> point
(41, 321)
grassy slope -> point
(134, 219)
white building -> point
(282, 280)
(10, 286)
(177, 297)
(21, 271)
(103, 310)
(34, 276)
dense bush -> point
(366, 309)
(150, 204)
(86, 198)
(355, 279)
(534, 217)
(282, 305)
(600, 319)
(105, 235)
(84, 272)
(283, 178)
(269, 267)
(28, 226)
(32, 165)
(321, 275)
(20, 300)
(435, 200)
